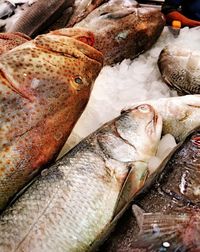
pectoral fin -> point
(134, 182)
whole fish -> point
(123, 29)
(32, 16)
(180, 69)
(168, 215)
(70, 206)
(81, 9)
(180, 114)
(10, 40)
(45, 85)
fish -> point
(180, 114)
(70, 205)
(123, 29)
(81, 9)
(31, 17)
(9, 41)
(180, 69)
(6, 9)
(45, 85)
(166, 216)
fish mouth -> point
(83, 39)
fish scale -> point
(70, 205)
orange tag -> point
(176, 24)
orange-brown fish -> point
(10, 40)
(45, 85)
(123, 29)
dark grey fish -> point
(180, 69)
(34, 16)
(167, 215)
(123, 29)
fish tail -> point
(174, 231)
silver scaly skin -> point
(180, 69)
(71, 204)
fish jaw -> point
(123, 30)
(45, 86)
(9, 41)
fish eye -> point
(78, 80)
(145, 108)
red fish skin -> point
(45, 85)
(9, 41)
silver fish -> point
(71, 204)
(180, 69)
(123, 29)
(34, 16)
(180, 114)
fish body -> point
(180, 114)
(9, 41)
(31, 17)
(45, 85)
(167, 215)
(81, 9)
(123, 29)
(71, 204)
(180, 69)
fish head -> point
(142, 127)
(123, 29)
(150, 24)
(45, 86)
(179, 68)
(87, 61)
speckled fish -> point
(81, 9)
(9, 41)
(180, 69)
(70, 206)
(168, 215)
(31, 16)
(180, 114)
(45, 85)
(123, 29)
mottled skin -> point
(71, 204)
(81, 9)
(123, 29)
(180, 69)
(45, 85)
(36, 17)
(172, 204)
(9, 41)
